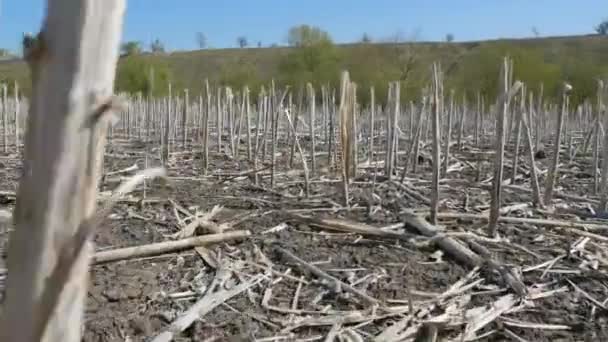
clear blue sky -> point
(176, 22)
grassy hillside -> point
(469, 67)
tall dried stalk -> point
(372, 117)
(312, 119)
(448, 138)
(17, 114)
(391, 128)
(604, 182)
(423, 123)
(5, 118)
(296, 119)
(596, 140)
(525, 119)
(185, 119)
(539, 118)
(502, 109)
(346, 113)
(230, 113)
(240, 103)
(355, 130)
(412, 152)
(437, 81)
(248, 118)
(218, 119)
(205, 137)
(554, 168)
(461, 123)
(167, 129)
(518, 121)
(330, 144)
(71, 95)
(267, 117)
(298, 146)
(273, 112)
(478, 119)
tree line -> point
(471, 69)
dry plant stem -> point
(312, 108)
(501, 112)
(258, 122)
(411, 153)
(167, 131)
(552, 176)
(319, 273)
(218, 119)
(538, 201)
(350, 227)
(354, 131)
(165, 247)
(274, 112)
(5, 118)
(532, 221)
(205, 137)
(185, 119)
(463, 118)
(17, 108)
(423, 119)
(297, 143)
(345, 138)
(248, 118)
(518, 121)
(596, 137)
(393, 137)
(539, 118)
(372, 116)
(241, 118)
(202, 307)
(604, 181)
(330, 144)
(231, 114)
(436, 141)
(461, 252)
(448, 138)
(73, 64)
(477, 119)
(296, 119)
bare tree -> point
(242, 41)
(602, 28)
(366, 38)
(535, 31)
(157, 46)
(403, 53)
(449, 37)
(201, 40)
(54, 218)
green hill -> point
(469, 66)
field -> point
(287, 218)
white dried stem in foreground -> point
(73, 66)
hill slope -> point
(469, 65)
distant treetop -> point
(242, 41)
(602, 28)
(306, 35)
(157, 46)
(131, 48)
(366, 38)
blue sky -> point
(176, 22)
